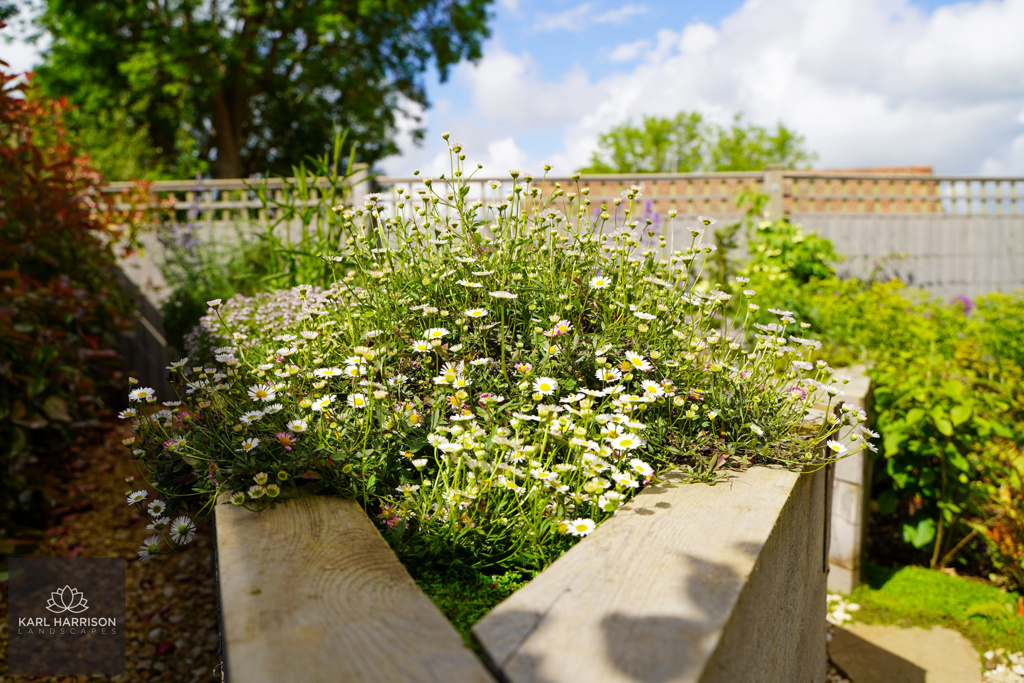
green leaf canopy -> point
(253, 86)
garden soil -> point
(172, 629)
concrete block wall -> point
(851, 494)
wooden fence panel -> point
(947, 255)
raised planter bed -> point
(685, 583)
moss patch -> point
(915, 596)
(465, 595)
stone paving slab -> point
(890, 654)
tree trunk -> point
(229, 103)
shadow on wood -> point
(311, 592)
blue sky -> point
(869, 83)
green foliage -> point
(252, 85)
(118, 145)
(937, 414)
(999, 326)
(914, 596)
(1002, 515)
(61, 306)
(466, 595)
(687, 143)
(947, 391)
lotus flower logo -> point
(67, 599)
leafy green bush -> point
(61, 306)
(938, 415)
(1002, 515)
(947, 389)
(999, 326)
(489, 379)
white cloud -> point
(504, 155)
(868, 82)
(579, 17)
(574, 19)
(620, 14)
(508, 88)
(627, 52)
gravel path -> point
(172, 628)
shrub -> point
(61, 307)
(939, 418)
(946, 389)
(489, 378)
(1002, 518)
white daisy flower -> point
(355, 371)
(299, 426)
(183, 530)
(638, 361)
(581, 527)
(502, 294)
(652, 388)
(625, 480)
(476, 313)
(421, 347)
(128, 413)
(757, 430)
(835, 447)
(327, 372)
(157, 508)
(545, 385)
(141, 394)
(137, 497)
(435, 333)
(643, 316)
(600, 282)
(321, 404)
(467, 283)
(461, 382)
(603, 350)
(641, 467)
(625, 442)
(251, 416)
(158, 523)
(150, 547)
(608, 374)
(357, 400)
(262, 392)
(248, 445)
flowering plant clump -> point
(491, 378)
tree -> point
(253, 86)
(687, 143)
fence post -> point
(357, 184)
(773, 188)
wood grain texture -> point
(647, 596)
(311, 592)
